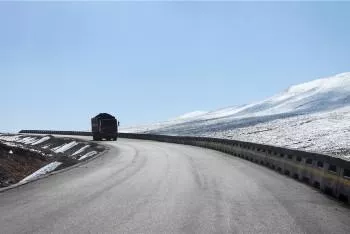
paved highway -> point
(150, 187)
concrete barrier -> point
(329, 174)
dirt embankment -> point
(17, 163)
(27, 156)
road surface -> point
(150, 187)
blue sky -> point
(62, 63)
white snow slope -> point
(313, 116)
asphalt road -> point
(150, 187)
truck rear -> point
(104, 126)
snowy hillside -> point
(191, 115)
(312, 116)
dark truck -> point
(104, 126)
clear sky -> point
(62, 63)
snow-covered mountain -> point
(312, 116)
(190, 115)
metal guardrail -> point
(54, 132)
(329, 174)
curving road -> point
(150, 187)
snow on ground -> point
(326, 132)
(87, 155)
(25, 139)
(28, 140)
(57, 151)
(17, 145)
(42, 171)
(314, 116)
(81, 150)
(11, 144)
(191, 115)
(37, 142)
(63, 148)
(10, 137)
(46, 138)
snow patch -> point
(87, 155)
(42, 171)
(11, 144)
(63, 148)
(81, 150)
(24, 139)
(10, 138)
(27, 140)
(17, 145)
(41, 140)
